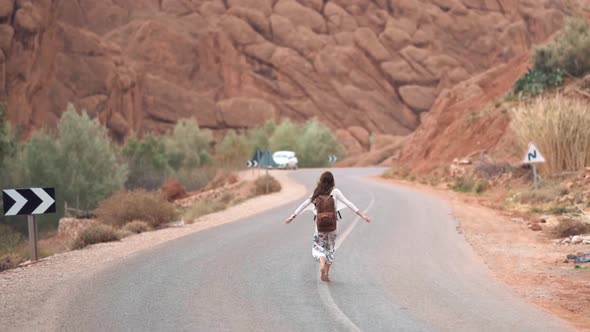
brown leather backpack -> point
(326, 213)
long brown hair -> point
(325, 185)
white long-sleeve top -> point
(338, 198)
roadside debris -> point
(579, 257)
(576, 239)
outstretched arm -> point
(301, 207)
(340, 196)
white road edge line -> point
(323, 289)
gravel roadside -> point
(526, 261)
(26, 291)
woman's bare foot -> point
(324, 276)
(324, 269)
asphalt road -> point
(409, 270)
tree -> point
(316, 144)
(188, 146)
(4, 139)
(79, 161)
(233, 151)
(285, 136)
(259, 137)
(148, 162)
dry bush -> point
(96, 233)
(222, 177)
(489, 169)
(196, 179)
(401, 172)
(10, 239)
(204, 207)
(137, 226)
(559, 128)
(569, 227)
(469, 185)
(10, 261)
(260, 185)
(172, 190)
(52, 244)
(544, 194)
(124, 207)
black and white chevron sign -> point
(252, 163)
(332, 158)
(28, 201)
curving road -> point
(409, 270)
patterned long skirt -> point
(323, 246)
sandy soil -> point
(527, 261)
(24, 290)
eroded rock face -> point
(372, 66)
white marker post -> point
(533, 156)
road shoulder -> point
(528, 262)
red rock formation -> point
(143, 64)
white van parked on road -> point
(285, 159)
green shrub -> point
(11, 158)
(80, 161)
(148, 162)
(285, 137)
(137, 226)
(480, 186)
(4, 140)
(260, 137)
(570, 52)
(233, 151)
(124, 207)
(261, 182)
(316, 144)
(536, 81)
(188, 146)
(10, 261)
(559, 128)
(93, 234)
(469, 185)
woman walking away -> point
(326, 198)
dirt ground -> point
(529, 262)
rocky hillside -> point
(358, 65)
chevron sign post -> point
(30, 202)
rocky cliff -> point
(358, 65)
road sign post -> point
(29, 202)
(536, 177)
(33, 238)
(266, 182)
(533, 156)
